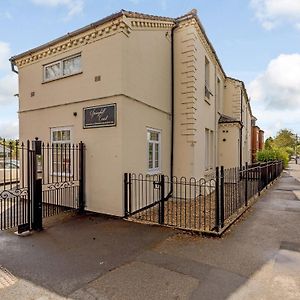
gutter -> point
(12, 63)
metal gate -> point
(39, 180)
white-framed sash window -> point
(154, 150)
(61, 156)
(62, 68)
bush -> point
(289, 150)
(273, 154)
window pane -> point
(65, 135)
(154, 136)
(206, 72)
(72, 65)
(59, 136)
(53, 71)
(55, 136)
(150, 156)
(61, 152)
(156, 155)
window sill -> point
(62, 77)
(208, 171)
(152, 173)
(61, 174)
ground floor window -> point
(154, 150)
(61, 150)
(209, 149)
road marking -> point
(6, 278)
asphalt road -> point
(94, 257)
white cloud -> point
(8, 88)
(8, 81)
(276, 94)
(4, 56)
(74, 7)
(9, 129)
(279, 85)
(8, 103)
(272, 13)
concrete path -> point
(99, 258)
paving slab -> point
(97, 257)
(139, 281)
(75, 251)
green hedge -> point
(273, 154)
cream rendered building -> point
(165, 89)
(235, 127)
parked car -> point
(9, 171)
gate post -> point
(217, 199)
(161, 208)
(81, 178)
(37, 222)
(222, 197)
(126, 195)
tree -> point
(284, 138)
(269, 143)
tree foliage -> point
(272, 155)
(269, 143)
(282, 147)
(284, 138)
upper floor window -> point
(207, 78)
(218, 94)
(62, 68)
(206, 72)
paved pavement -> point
(94, 257)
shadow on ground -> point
(95, 257)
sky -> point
(257, 41)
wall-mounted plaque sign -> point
(100, 116)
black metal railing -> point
(15, 207)
(206, 205)
(39, 180)
(60, 167)
(191, 205)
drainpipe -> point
(241, 132)
(172, 100)
(216, 158)
(172, 110)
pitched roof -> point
(226, 119)
(244, 88)
(132, 14)
(129, 14)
